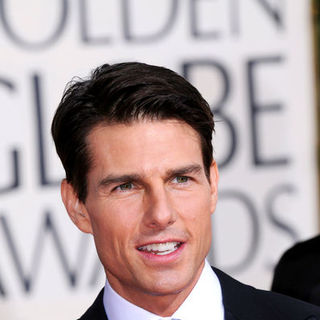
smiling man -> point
(135, 142)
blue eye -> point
(182, 179)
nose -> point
(159, 211)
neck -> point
(163, 304)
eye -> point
(181, 179)
(125, 186)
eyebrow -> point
(114, 179)
(193, 168)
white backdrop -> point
(251, 59)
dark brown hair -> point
(123, 93)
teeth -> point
(160, 248)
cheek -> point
(114, 222)
(197, 219)
(112, 239)
(197, 207)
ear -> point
(214, 179)
(75, 208)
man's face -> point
(149, 205)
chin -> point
(169, 286)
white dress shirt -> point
(203, 302)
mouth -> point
(161, 249)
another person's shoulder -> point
(247, 302)
(301, 256)
(297, 272)
(302, 248)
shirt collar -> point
(204, 301)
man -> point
(135, 142)
(297, 273)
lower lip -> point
(166, 258)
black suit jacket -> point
(298, 272)
(241, 302)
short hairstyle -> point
(124, 93)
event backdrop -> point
(252, 61)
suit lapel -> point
(96, 311)
(242, 302)
(228, 315)
(233, 308)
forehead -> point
(144, 144)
